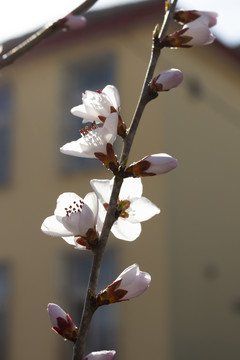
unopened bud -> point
(186, 16)
(130, 283)
(101, 355)
(72, 22)
(62, 323)
(195, 33)
(168, 79)
(150, 165)
(75, 21)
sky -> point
(22, 16)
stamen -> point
(76, 209)
(87, 129)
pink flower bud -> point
(194, 33)
(62, 323)
(199, 32)
(186, 16)
(75, 22)
(150, 165)
(209, 15)
(101, 355)
(130, 283)
(167, 80)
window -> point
(4, 310)
(76, 269)
(5, 126)
(91, 74)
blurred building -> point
(192, 309)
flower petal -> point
(141, 283)
(113, 95)
(63, 202)
(101, 355)
(92, 202)
(51, 226)
(103, 189)
(126, 230)
(142, 209)
(131, 188)
(94, 141)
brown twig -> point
(145, 97)
(9, 57)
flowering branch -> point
(146, 96)
(117, 205)
(42, 34)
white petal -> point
(125, 230)
(64, 201)
(113, 95)
(128, 275)
(77, 148)
(100, 355)
(131, 188)
(139, 286)
(70, 239)
(54, 312)
(92, 202)
(142, 209)
(103, 189)
(109, 129)
(51, 226)
(95, 141)
(81, 112)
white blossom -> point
(97, 105)
(74, 218)
(132, 207)
(94, 139)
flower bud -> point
(62, 323)
(150, 165)
(167, 80)
(75, 21)
(184, 17)
(194, 33)
(101, 355)
(130, 283)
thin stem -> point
(145, 97)
(9, 57)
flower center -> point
(75, 208)
(88, 129)
(122, 206)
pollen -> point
(75, 208)
(88, 129)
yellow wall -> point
(198, 225)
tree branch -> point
(9, 57)
(145, 97)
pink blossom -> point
(167, 80)
(187, 16)
(129, 284)
(100, 355)
(74, 22)
(199, 32)
(150, 165)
